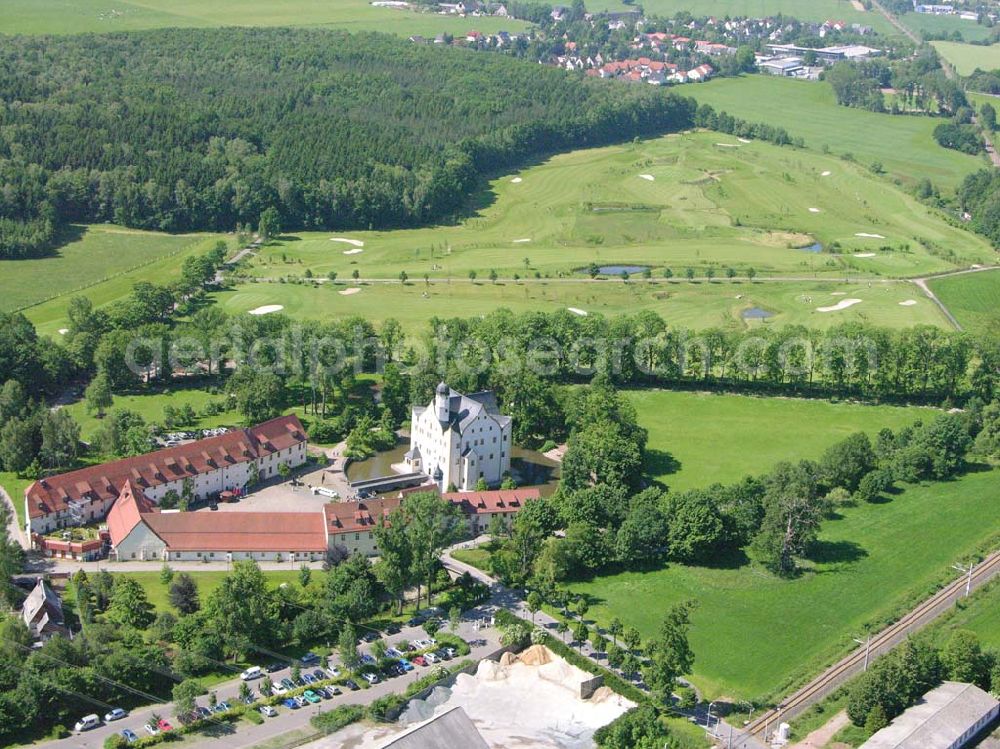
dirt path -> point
(922, 284)
(822, 735)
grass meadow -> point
(973, 298)
(807, 109)
(698, 439)
(755, 635)
(91, 255)
(967, 57)
(76, 16)
(920, 22)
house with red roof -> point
(209, 466)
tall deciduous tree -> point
(432, 523)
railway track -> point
(881, 643)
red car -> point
(164, 726)
(418, 660)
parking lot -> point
(483, 642)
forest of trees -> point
(206, 129)
(979, 194)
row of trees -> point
(322, 128)
(773, 518)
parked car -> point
(418, 660)
(203, 712)
(393, 629)
(291, 704)
(450, 652)
(393, 653)
(350, 684)
(163, 725)
(322, 692)
(278, 689)
(87, 722)
(129, 735)
(287, 683)
(442, 654)
(405, 664)
(151, 729)
(394, 669)
(114, 714)
(272, 667)
(308, 678)
(249, 699)
(333, 672)
(222, 707)
(415, 621)
(254, 672)
(369, 677)
(431, 658)
(367, 659)
(319, 675)
(334, 691)
(371, 636)
(311, 697)
(301, 700)
(267, 711)
(309, 658)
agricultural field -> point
(755, 635)
(967, 57)
(973, 298)
(90, 255)
(921, 22)
(77, 16)
(806, 10)
(720, 438)
(904, 145)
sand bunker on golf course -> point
(864, 254)
(63, 331)
(356, 251)
(865, 235)
(728, 145)
(516, 181)
(348, 292)
(578, 311)
(838, 293)
(826, 174)
(355, 242)
(814, 210)
(842, 304)
(267, 309)
(908, 303)
(744, 140)
(647, 177)
(521, 241)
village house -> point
(458, 440)
(209, 467)
(42, 612)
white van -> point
(254, 672)
(87, 722)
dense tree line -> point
(979, 195)
(774, 518)
(206, 129)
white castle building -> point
(458, 439)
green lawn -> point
(15, 486)
(978, 614)
(90, 255)
(973, 298)
(150, 405)
(692, 305)
(967, 57)
(806, 10)
(756, 635)
(722, 438)
(76, 16)
(807, 109)
(158, 593)
(919, 22)
(478, 558)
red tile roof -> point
(355, 517)
(502, 500)
(127, 511)
(239, 531)
(105, 482)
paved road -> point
(246, 735)
(923, 285)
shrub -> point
(335, 719)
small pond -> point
(756, 313)
(616, 270)
(814, 247)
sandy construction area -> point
(267, 309)
(842, 304)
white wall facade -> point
(141, 544)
